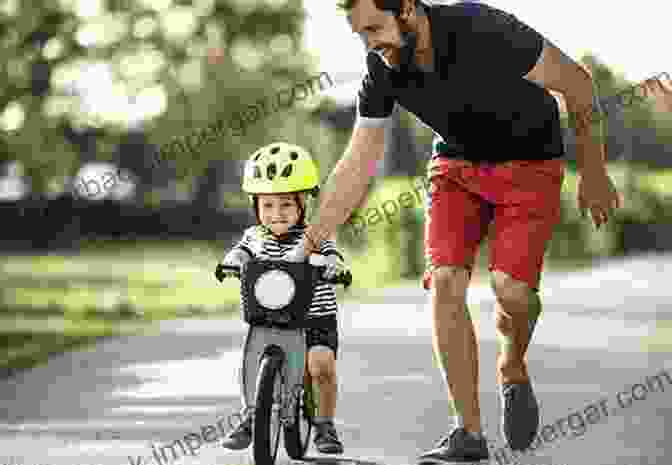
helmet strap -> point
(302, 209)
(255, 206)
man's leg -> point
(517, 310)
(454, 344)
(456, 222)
(523, 226)
(516, 313)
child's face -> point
(278, 211)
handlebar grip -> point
(222, 271)
(318, 260)
(344, 278)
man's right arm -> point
(348, 183)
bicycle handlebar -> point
(344, 278)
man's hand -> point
(313, 239)
(597, 193)
(660, 89)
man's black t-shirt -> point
(476, 99)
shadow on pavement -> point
(337, 461)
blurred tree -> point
(68, 68)
(635, 131)
(219, 176)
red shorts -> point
(518, 201)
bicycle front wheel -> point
(297, 436)
(267, 412)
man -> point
(480, 79)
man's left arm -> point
(556, 71)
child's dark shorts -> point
(323, 331)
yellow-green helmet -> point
(280, 168)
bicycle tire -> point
(265, 453)
(304, 411)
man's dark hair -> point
(390, 5)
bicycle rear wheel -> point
(297, 436)
(266, 431)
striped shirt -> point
(257, 240)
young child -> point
(278, 177)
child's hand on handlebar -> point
(231, 264)
(222, 272)
(236, 258)
(334, 266)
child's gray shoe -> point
(326, 438)
(241, 436)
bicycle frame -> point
(291, 344)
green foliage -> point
(387, 229)
(640, 119)
(210, 59)
(345, 5)
(648, 200)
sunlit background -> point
(630, 38)
(111, 223)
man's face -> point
(378, 30)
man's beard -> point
(406, 50)
(409, 42)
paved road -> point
(603, 331)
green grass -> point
(53, 303)
(156, 281)
(25, 350)
(29, 335)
